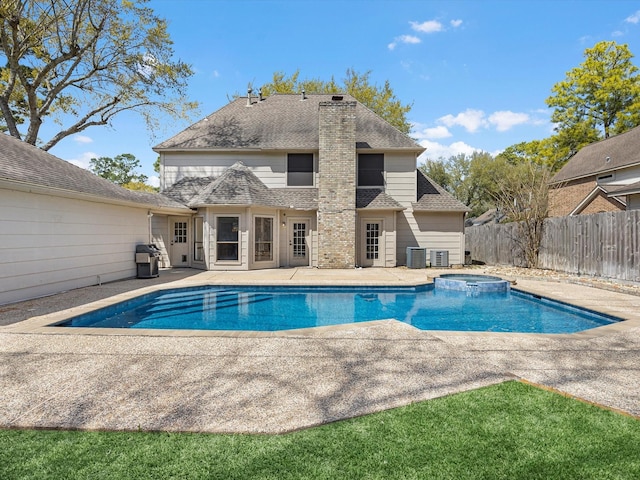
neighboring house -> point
(62, 227)
(300, 180)
(601, 177)
(493, 215)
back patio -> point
(278, 383)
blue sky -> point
(476, 72)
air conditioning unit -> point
(439, 258)
(416, 257)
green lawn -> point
(512, 430)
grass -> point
(511, 430)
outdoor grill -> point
(147, 258)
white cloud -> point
(154, 181)
(437, 150)
(83, 160)
(455, 23)
(470, 119)
(505, 120)
(433, 132)
(215, 74)
(410, 39)
(633, 18)
(82, 139)
(430, 26)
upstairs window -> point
(300, 169)
(370, 170)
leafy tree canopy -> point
(81, 62)
(601, 95)
(120, 170)
(379, 99)
(469, 178)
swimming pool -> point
(261, 308)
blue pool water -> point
(286, 308)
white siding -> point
(433, 231)
(633, 202)
(160, 238)
(270, 168)
(624, 176)
(50, 244)
(400, 177)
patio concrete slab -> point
(285, 381)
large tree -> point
(120, 169)
(82, 62)
(600, 97)
(381, 99)
(470, 178)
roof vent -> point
(249, 97)
(608, 159)
(260, 94)
(304, 95)
(337, 98)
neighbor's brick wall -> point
(337, 185)
(563, 200)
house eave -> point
(60, 192)
(593, 174)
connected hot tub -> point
(472, 283)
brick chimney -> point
(337, 184)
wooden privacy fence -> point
(601, 245)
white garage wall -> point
(50, 244)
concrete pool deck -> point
(277, 382)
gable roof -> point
(433, 198)
(282, 122)
(613, 153)
(25, 164)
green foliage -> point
(601, 96)
(469, 178)
(81, 62)
(379, 99)
(140, 186)
(511, 430)
(120, 170)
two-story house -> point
(602, 177)
(300, 180)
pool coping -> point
(44, 324)
(285, 381)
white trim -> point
(589, 198)
(214, 260)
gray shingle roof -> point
(433, 198)
(236, 186)
(375, 199)
(23, 163)
(298, 198)
(622, 150)
(281, 122)
(186, 189)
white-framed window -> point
(227, 238)
(263, 239)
